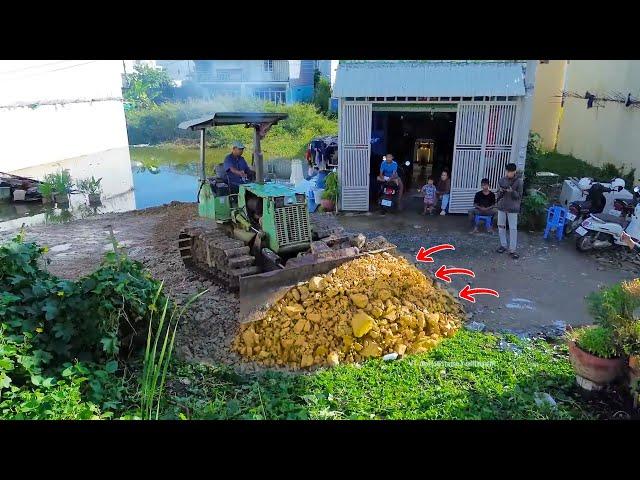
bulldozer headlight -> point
(279, 201)
(300, 197)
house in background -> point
(66, 114)
(280, 81)
(603, 130)
(472, 116)
(178, 70)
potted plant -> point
(91, 187)
(46, 190)
(62, 183)
(331, 191)
(594, 356)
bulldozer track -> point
(207, 250)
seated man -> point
(484, 203)
(389, 171)
(238, 172)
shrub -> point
(288, 139)
(534, 207)
(597, 341)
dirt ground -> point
(540, 291)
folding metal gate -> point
(354, 155)
(484, 144)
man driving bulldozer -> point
(238, 172)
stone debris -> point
(372, 306)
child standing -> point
(429, 192)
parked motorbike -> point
(600, 231)
(580, 210)
(388, 195)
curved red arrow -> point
(467, 293)
(425, 255)
(443, 273)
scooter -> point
(388, 194)
(580, 210)
(601, 231)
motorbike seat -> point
(611, 219)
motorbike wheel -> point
(569, 227)
(585, 244)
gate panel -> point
(354, 155)
(485, 135)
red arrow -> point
(443, 273)
(467, 293)
(425, 255)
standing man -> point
(238, 172)
(509, 198)
(389, 171)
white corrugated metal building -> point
(474, 114)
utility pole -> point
(527, 108)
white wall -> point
(46, 114)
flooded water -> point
(133, 178)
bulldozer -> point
(259, 240)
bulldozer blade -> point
(259, 292)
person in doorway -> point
(443, 190)
(389, 171)
(508, 203)
(429, 193)
(484, 203)
(238, 172)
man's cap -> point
(239, 145)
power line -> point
(48, 71)
(33, 66)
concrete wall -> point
(46, 114)
(608, 134)
(546, 106)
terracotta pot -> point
(634, 365)
(327, 204)
(596, 369)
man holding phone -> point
(508, 203)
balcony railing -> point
(280, 73)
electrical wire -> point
(33, 66)
(48, 71)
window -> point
(267, 65)
(276, 96)
(223, 75)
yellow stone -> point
(376, 312)
(401, 349)
(361, 323)
(384, 294)
(316, 284)
(293, 309)
(360, 300)
(321, 351)
(313, 317)
(307, 361)
(372, 349)
(299, 325)
(333, 359)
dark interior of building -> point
(425, 139)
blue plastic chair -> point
(484, 218)
(556, 217)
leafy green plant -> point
(321, 92)
(534, 207)
(332, 188)
(147, 87)
(45, 189)
(60, 181)
(598, 341)
(157, 361)
(617, 308)
(90, 186)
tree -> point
(322, 94)
(148, 86)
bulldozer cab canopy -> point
(233, 118)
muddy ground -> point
(543, 289)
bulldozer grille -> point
(292, 225)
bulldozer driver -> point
(238, 172)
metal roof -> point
(429, 79)
(232, 118)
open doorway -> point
(423, 139)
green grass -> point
(566, 166)
(501, 385)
